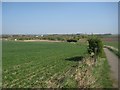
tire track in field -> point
(23, 71)
(16, 67)
(57, 79)
(37, 76)
(31, 69)
(21, 66)
(38, 83)
(27, 77)
(15, 81)
(32, 75)
(20, 72)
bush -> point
(20, 39)
(95, 46)
(71, 40)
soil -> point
(40, 41)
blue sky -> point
(59, 17)
(60, 0)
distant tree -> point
(71, 40)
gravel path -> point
(113, 62)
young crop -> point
(36, 64)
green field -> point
(28, 64)
(112, 43)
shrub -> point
(71, 40)
(95, 46)
(20, 39)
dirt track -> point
(40, 41)
(113, 62)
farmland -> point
(111, 40)
(112, 43)
(42, 63)
(28, 64)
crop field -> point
(111, 41)
(40, 64)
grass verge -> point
(101, 72)
(114, 50)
